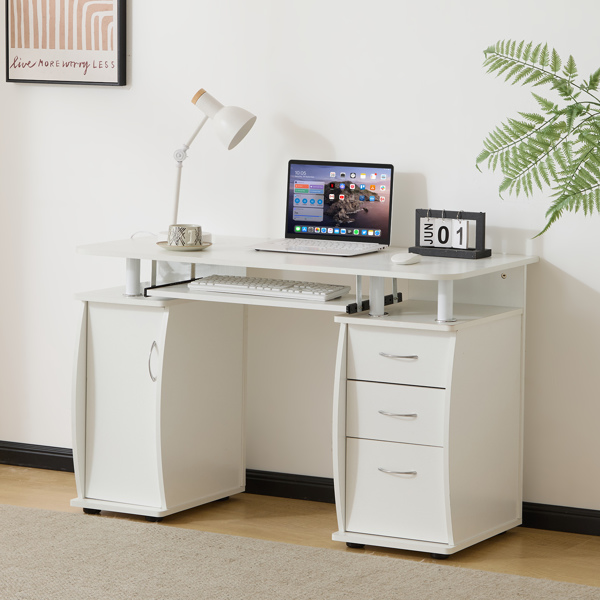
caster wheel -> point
(154, 519)
(353, 545)
(91, 511)
(439, 556)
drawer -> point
(397, 356)
(410, 506)
(395, 413)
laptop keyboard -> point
(329, 247)
(328, 244)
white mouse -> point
(406, 258)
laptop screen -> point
(339, 201)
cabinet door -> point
(123, 353)
(396, 490)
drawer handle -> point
(154, 345)
(406, 357)
(412, 473)
(407, 415)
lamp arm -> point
(180, 155)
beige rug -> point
(48, 555)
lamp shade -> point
(231, 123)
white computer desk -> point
(428, 401)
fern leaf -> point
(594, 159)
(533, 117)
(515, 70)
(593, 168)
(493, 162)
(495, 63)
(554, 217)
(585, 201)
(553, 213)
(551, 166)
(570, 70)
(555, 62)
(544, 56)
(521, 127)
(527, 51)
(560, 160)
(536, 53)
(506, 182)
(534, 76)
(506, 64)
(525, 72)
(568, 151)
(544, 80)
(570, 118)
(594, 81)
(544, 172)
(536, 177)
(482, 156)
(594, 124)
(501, 138)
(546, 105)
(519, 51)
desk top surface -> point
(239, 251)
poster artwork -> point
(66, 41)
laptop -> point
(336, 208)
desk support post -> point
(133, 286)
(376, 300)
(359, 292)
(445, 302)
(153, 273)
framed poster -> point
(65, 41)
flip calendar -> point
(450, 233)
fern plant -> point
(559, 145)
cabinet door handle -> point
(412, 473)
(406, 357)
(407, 415)
(154, 345)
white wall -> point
(388, 80)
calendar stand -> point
(478, 252)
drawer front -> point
(410, 506)
(396, 356)
(395, 413)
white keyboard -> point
(277, 288)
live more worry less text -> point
(86, 65)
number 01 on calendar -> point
(450, 233)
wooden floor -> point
(521, 551)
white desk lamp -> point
(231, 124)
